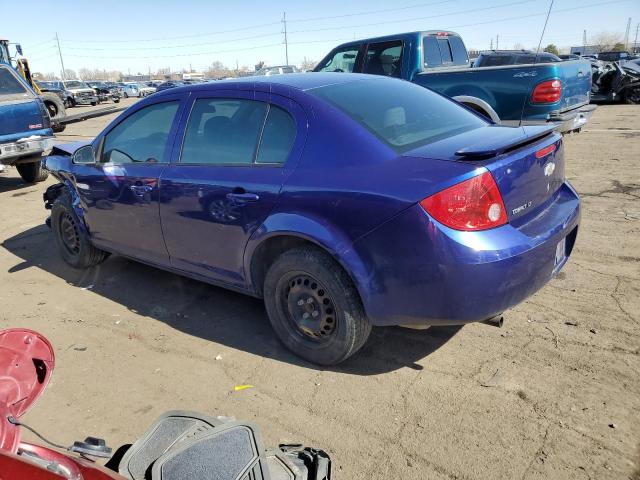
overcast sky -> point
(141, 35)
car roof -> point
(298, 81)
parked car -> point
(178, 445)
(544, 93)
(278, 70)
(616, 82)
(169, 84)
(497, 58)
(56, 85)
(145, 89)
(130, 90)
(265, 193)
(25, 127)
(105, 92)
(615, 56)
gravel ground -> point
(554, 394)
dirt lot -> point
(554, 394)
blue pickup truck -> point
(25, 126)
(513, 95)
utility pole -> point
(497, 42)
(491, 47)
(584, 42)
(626, 35)
(635, 42)
(64, 73)
(286, 43)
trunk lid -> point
(26, 363)
(526, 179)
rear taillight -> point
(543, 152)
(547, 92)
(475, 204)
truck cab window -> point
(384, 59)
(445, 50)
(431, 52)
(343, 60)
(458, 50)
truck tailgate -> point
(20, 118)
(576, 81)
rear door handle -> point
(243, 197)
(140, 190)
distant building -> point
(585, 50)
(193, 76)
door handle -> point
(140, 190)
(244, 197)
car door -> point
(236, 150)
(120, 190)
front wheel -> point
(32, 172)
(314, 307)
(70, 237)
(632, 96)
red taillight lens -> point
(543, 152)
(547, 92)
(475, 204)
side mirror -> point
(19, 48)
(84, 155)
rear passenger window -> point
(445, 50)
(223, 131)
(431, 52)
(277, 137)
(384, 59)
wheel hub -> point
(69, 233)
(310, 307)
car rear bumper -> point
(11, 153)
(421, 272)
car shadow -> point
(8, 184)
(216, 314)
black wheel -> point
(126, 95)
(72, 241)
(116, 100)
(314, 307)
(32, 172)
(93, 104)
(632, 95)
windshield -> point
(401, 114)
(75, 84)
(10, 87)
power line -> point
(413, 19)
(195, 35)
(370, 12)
(255, 47)
(217, 42)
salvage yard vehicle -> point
(345, 201)
(105, 92)
(513, 95)
(178, 445)
(616, 82)
(278, 70)
(25, 126)
(130, 90)
(81, 93)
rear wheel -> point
(56, 110)
(632, 95)
(72, 241)
(314, 308)
(32, 172)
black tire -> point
(116, 100)
(126, 95)
(32, 172)
(309, 275)
(72, 242)
(93, 104)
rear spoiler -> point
(505, 140)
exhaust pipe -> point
(496, 321)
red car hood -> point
(26, 363)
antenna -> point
(286, 44)
(543, 30)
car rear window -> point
(401, 114)
(10, 87)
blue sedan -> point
(345, 201)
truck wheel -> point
(32, 172)
(56, 110)
(126, 95)
(73, 243)
(314, 307)
(93, 104)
